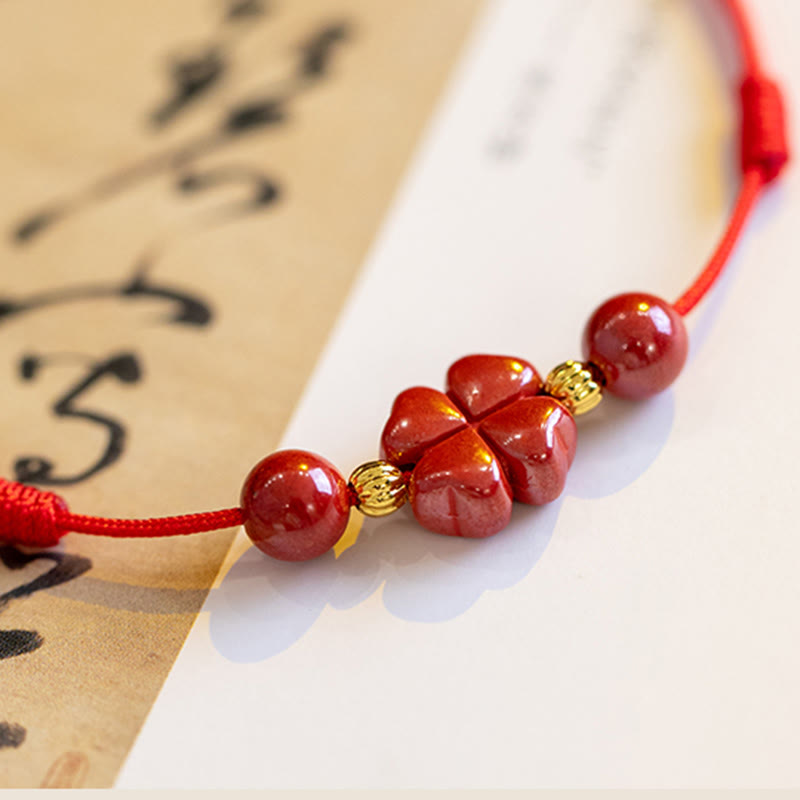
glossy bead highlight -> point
(639, 344)
(458, 489)
(296, 505)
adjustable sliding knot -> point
(29, 516)
(764, 145)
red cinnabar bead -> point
(296, 505)
(638, 342)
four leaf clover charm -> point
(492, 438)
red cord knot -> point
(764, 141)
(29, 516)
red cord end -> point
(764, 140)
(29, 516)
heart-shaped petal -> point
(535, 440)
(481, 384)
(459, 489)
(420, 418)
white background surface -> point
(643, 629)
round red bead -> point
(638, 342)
(296, 505)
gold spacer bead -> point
(379, 488)
(573, 384)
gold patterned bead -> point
(379, 488)
(573, 384)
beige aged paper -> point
(171, 269)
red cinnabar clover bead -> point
(295, 505)
(638, 342)
(492, 438)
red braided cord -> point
(157, 526)
(764, 152)
(752, 183)
(32, 517)
(743, 30)
(35, 518)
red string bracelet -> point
(499, 433)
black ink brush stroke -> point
(125, 368)
(16, 642)
(187, 309)
(192, 76)
(316, 53)
(11, 735)
(261, 190)
(245, 116)
(66, 567)
(237, 10)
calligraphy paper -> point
(188, 190)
